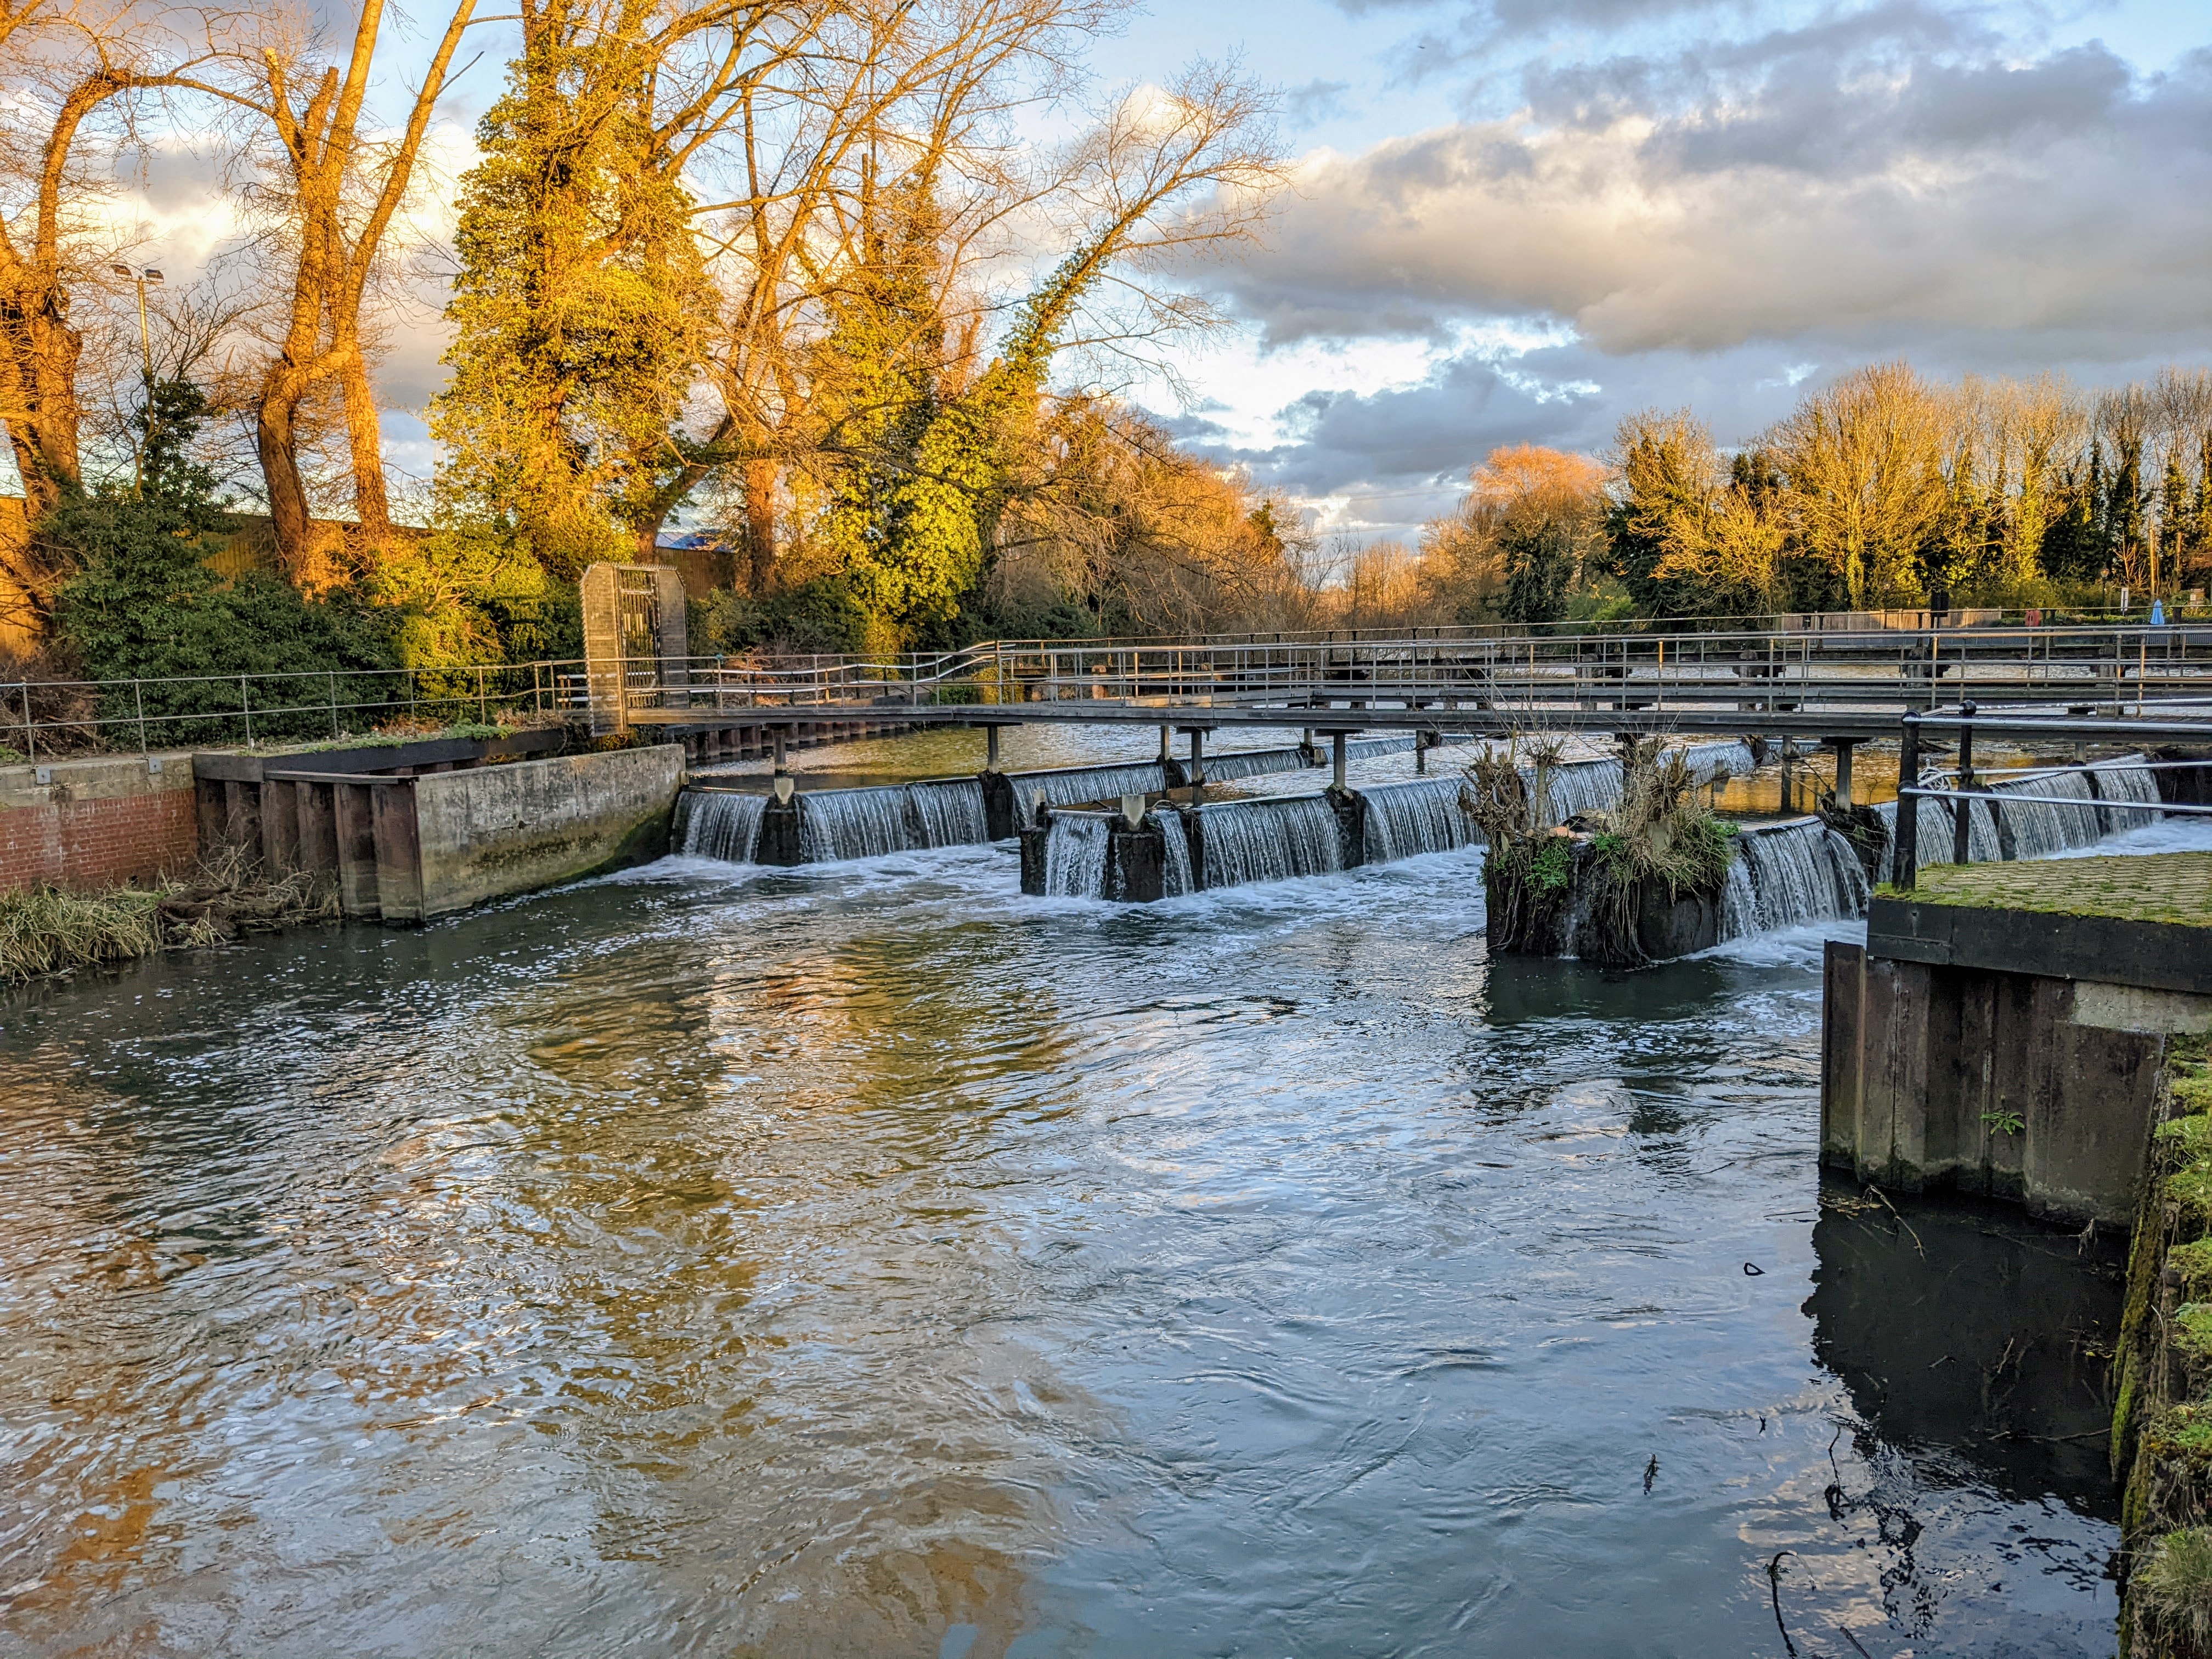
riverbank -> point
(2162, 1422)
(47, 932)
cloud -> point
(1873, 184)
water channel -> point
(864, 1259)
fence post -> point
(484, 712)
(30, 731)
(246, 708)
(333, 674)
(138, 701)
(1962, 810)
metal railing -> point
(203, 709)
(1775, 671)
(1968, 719)
(2109, 669)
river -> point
(865, 1259)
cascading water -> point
(1590, 786)
(1075, 855)
(1176, 877)
(1789, 875)
(717, 824)
(1250, 840)
(2036, 828)
(867, 824)
(1405, 820)
(1369, 748)
(1252, 764)
(1706, 761)
(1076, 785)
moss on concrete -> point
(2164, 887)
(2162, 1420)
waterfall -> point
(1371, 748)
(1075, 855)
(1405, 820)
(1252, 764)
(1707, 760)
(1588, 785)
(1177, 878)
(717, 824)
(1072, 786)
(2036, 828)
(951, 812)
(1248, 841)
(867, 824)
(1797, 873)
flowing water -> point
(2035, 829)
(1254, 840)
(717, 824)
(1091, 783)
(1075, 845)
(1790, 876)
(862, 1258)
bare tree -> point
(69, 61)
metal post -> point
(334, 703)
(30, 731)
(1962, 815)
(246, 708)
(1338, 744)
(1905, 862)
(483, 711)
(138, 698)
(1788, 749)
(1843, 746)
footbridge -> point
(1839, 685)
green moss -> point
(2189, 1190)
(2193, 1094)
(2193, 1264)
(2191, 1331)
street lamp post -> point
(146, 349)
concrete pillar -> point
(1164, 745)
(781, 770)
(990, 749)
(1197, 758)
(1843, 746)
(1338, 741)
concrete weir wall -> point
(494, 830)
(2035, 1080)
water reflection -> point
(867, 1259)
(1964, 1331)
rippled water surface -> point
(866, 1259)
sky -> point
(1518, 220)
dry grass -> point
(46, 931)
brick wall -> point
(97, 823)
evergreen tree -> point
(579, 311)
(2124, 532)
(1539, 569)
(2174, 519)
(145, 605)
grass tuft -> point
(2172, 1584)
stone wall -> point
(99, 823)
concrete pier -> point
(2004, 1030)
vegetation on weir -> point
(2162, 1418)
(47, 931)
(1660, 837)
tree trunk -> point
(276, 437)
(760, 525)
(39, 354)
(372, 505)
